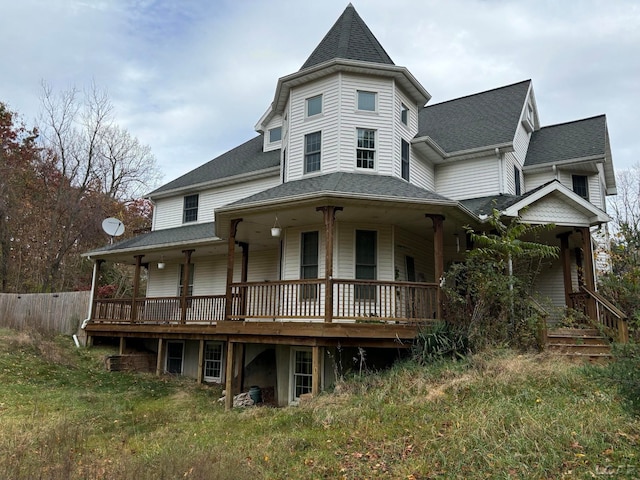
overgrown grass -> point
(499, 415)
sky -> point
(191, 78)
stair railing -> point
(609, 316)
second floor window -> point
(580, 185)
(190, 211)
(275, 134)
(314, 105)
(516, 179)
(367, 101)
(404, 114)
(366, 149)
(312, 146)
(404, 155)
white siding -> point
(275, 122)
(553, 209)
(346, 251)
(594, 185)
(352, 119)
(422, 172)
(169, 210)
(410, 245)
(549, 285)
(328, 122)
(406, 133)
(509, 176)
(468, 179)
(291, 255)
(534, 179)
(521, 144)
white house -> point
(369, 189)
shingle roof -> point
(158, 238)
(350, 39)
(344, 183)
(566, 141)
(485, 205)
(243, 159)
(480, 120)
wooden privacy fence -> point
(52, 312)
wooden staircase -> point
(580, 343)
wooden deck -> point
(371, 312)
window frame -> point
(517, 180)
(216, 363)
(306, 377)
(404, 114)
(308, 155)
(271, 134)
(576, 187)
(361, 96)
(188, 210)
(181, 279)
(168, 358)
(365, 292)
(362, 162)
(405, 159)
(309, 292)
(308, 102)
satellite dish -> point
(113, 227)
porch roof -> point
(344, 184)
(165, 238)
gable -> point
(555, 209)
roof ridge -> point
(568, 122)
(476, 94)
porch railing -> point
(599, 310)
(365, 301)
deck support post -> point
(160, 357)
(565, 259)
(136, 288)
(438, 257)
(228, 398)
(329, 213)
(315, 370)
(200, 361)
(233, 229)
(186, 275)
(123, 345)
(238, 368)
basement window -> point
(175, 357)
(213, 362)
(302, 370)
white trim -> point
(598, 216)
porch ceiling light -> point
(161, 264)
(276, 230)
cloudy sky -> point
(191, 78)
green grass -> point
(499, 415)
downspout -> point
(93, 290)
(500, 169)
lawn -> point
(495, 415)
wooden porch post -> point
(159, 358)
(200, 361)
(329, 213)
(315, 370)
(587, 271)
(565, 258)
(228, 399)
(438, 257)
(233, 229)
(186, 274)
(244, 275)
(136, 287)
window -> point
(367, 101)
(175, 357)
(275, 134)
(302, 372)
(213, 362)
(516, 179)
(314, 105)
(404, 155)
(190, 212)
(366, 150)
(404, 114)
(190, 284)
(312, 144)
(366, 263)
(580, 186)
(309, 264)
